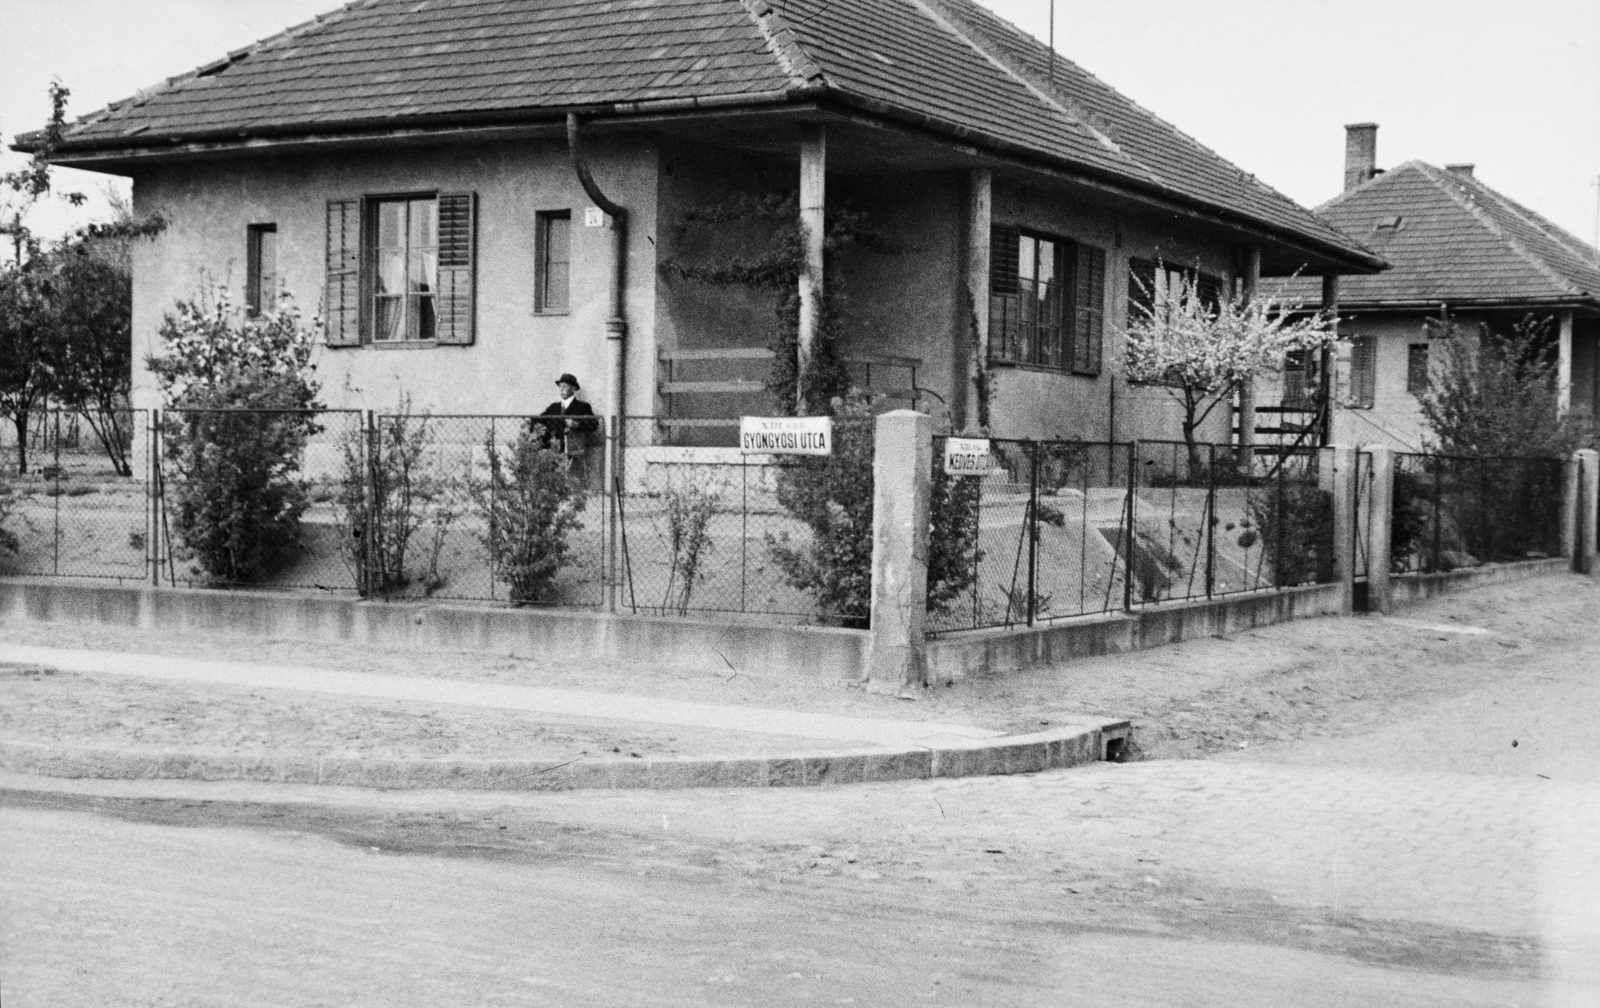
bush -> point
(530, 501)
(241, 409)
(387, 496)
(690, 506)
(8, 539)
(953, 550)
(237, 500)
(1294, 524)
(832, 496)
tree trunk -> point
(20, 418)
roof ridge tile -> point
(797, 64)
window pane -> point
(386, 324)
(1027, 265)
(424, 223)
(556, 294)
(267, 271)
(423, 271)
(391, 271)
(1047, 261)
(422, 314)
(559, 243)
(391, 224)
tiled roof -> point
(949, 64)
(1456, 241)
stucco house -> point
(482, 196)
(1459, 250)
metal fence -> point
(74, 495)
(466, 507)
(1067, 528)
(1451, 512)
(712, 530)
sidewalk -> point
(210, 718)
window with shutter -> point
(1141, 289)
(341, 299)
(457, 254)
(1088, 303)
(1363, 370)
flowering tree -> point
(1200, 351)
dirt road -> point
(1394, 848)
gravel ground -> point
(1302, 680)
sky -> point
(1512, 86)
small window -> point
(553, 258)
(1046, 301)
(1417, 368)
(1363, 370)
(1154, 287)
(405, 272)
(261, 268)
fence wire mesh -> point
(74, 497)
(1451, 512)
(252, 497)
(712, 530)
(1058, 529)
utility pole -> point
(1053, 46)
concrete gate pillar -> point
(1380, 515)
(1343, 486)
(1588, 512)
(902, 465)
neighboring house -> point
(405, 167)
(1456, 249)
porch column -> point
(813, 197)
(974, 345)
(1330, 303)
(1564, 365)
(1249, 282)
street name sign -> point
(786, 435)
(967, 456)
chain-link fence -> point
(74, 497)
(1060, 528)
(714, 530)
(253, 497)
(1451, 512)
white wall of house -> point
(517, 353)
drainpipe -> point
(616, 333)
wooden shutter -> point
(341, 298)
(1088, 309)
(1004, 249)
(457, 268)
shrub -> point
(530, 501)
(832, 496)
(953, 550)
(690, 506)
(8, 539)
(241, 409)
(1294, 525)
(387, 496)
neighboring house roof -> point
(1451, 239)
(946, 64)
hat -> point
(567, 379)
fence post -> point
(1130, 516)
(1032, 515)
(1343, 484)
(615, 426)
(370, 533)
(1571, 476)
(1588, 508)
(902, 463)
(1380, 515)
(152, 494)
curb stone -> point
(1064, 746)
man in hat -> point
(568, 436)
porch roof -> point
(949, 66)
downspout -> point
(616, 339)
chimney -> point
(1360, 153)
(1460, 169)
